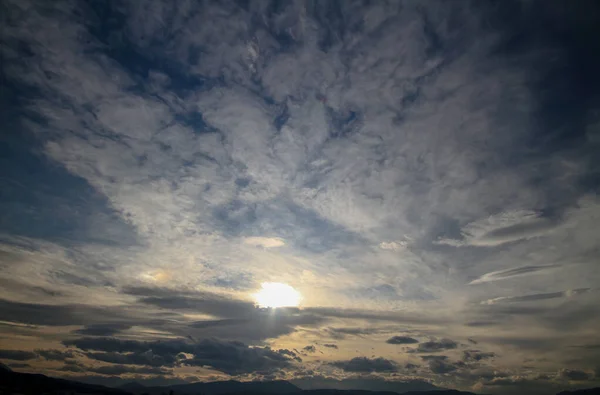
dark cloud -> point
(230, 357)
(134, 358)
(111, 344)
(236, 357)
(257, 325)
(75, 314)
(291, 354)
(56, 355)
(19, 365)
(476, 355)
(481, 323)
(116, 370)
(401, 340)
(439, 366)
(342, 332)
(395, 317)
(17, 355)
(211, 304)
(330, 345)
(588, 346)
(219, 323)
(434, 357)
(435, 346)
(574, 375)
(238, 319)
(310, 349)
(102, 329)
(75, 368)
(364, 364)
(206, 302)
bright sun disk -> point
(277, 295)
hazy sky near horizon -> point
(424, 173)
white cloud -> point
(502, 228)
(393, 245)
(265, 242)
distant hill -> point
(439, 392)
(364, 392)
(376, 385)
(36, 384)
(268, 387)
(217, 388)
(589, 391)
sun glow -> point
(277, 295)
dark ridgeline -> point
(38, 384)
(589, 391)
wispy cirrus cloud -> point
(513, 272)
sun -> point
(277, 295)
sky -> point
(424, 174)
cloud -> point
(401, 340)
(382, 315)
(236, 357)
(434, 357)
(231, 357)
(264, 242)
(237, 319)
(476, 355)
(102, 329)
(20, 365)
(56, 355)
(503, 228)
(17, 355)
(116, 370)
(364, 365)
(439, 366)
(309, 349)
(60, 315)
(574, 375)
(536, 297)
(511, 273)
(330, 345)
(393, 245)
(436, 346)
(352, 331)
(134, 358)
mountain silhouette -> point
(36, 384)
(218, 388)
(589, 391)
(367, 384)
